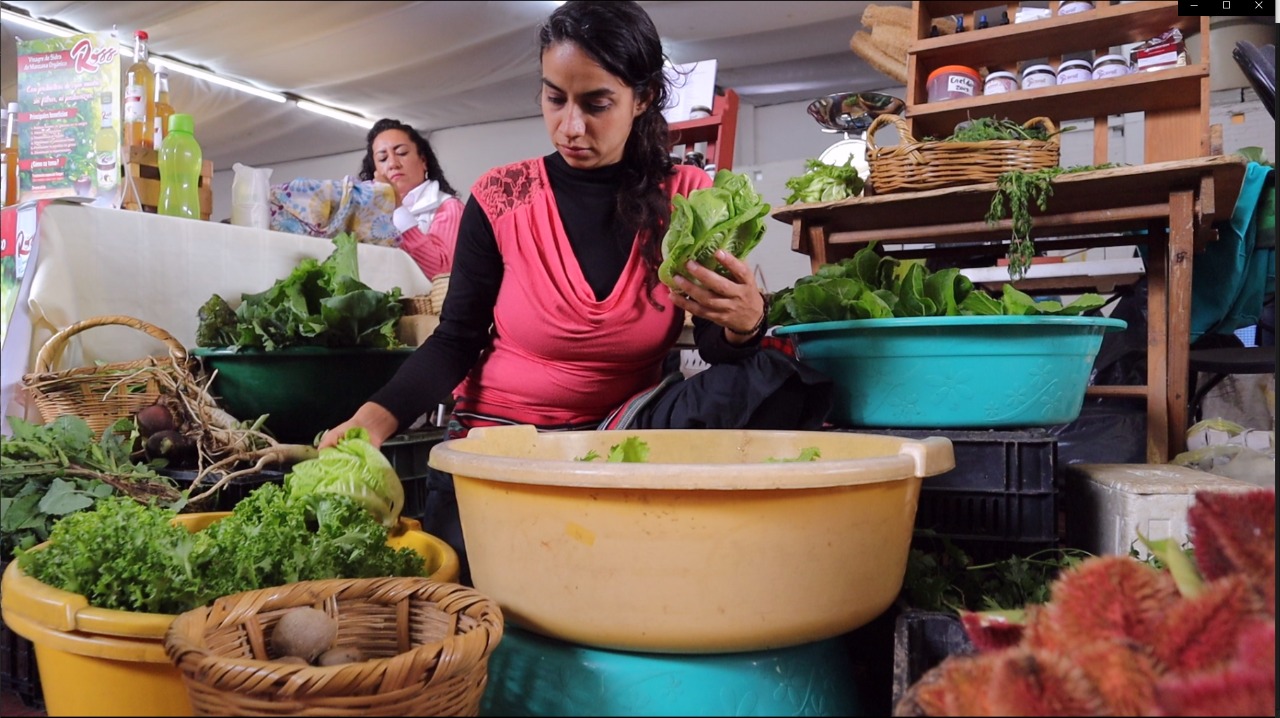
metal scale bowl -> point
(851, 113)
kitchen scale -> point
(851, 113)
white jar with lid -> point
(1034, 76)
(1074, 71)
(1110, 66)
(998, 82)
(1074, 6)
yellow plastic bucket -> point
(102, 662)
(712, 545)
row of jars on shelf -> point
(952, 82)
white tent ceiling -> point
(434, 65)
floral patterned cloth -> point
(326, 208)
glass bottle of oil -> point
(163, 109)
(140, 96)
(10, 156)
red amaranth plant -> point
(1121, 637)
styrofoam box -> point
(1108, 505)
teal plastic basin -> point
(532, 675)
(956, 371)
(305, 390)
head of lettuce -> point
(728, 215)
(353, 467)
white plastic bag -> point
(1225, 448)
(250, 202)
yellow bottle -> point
(163, 109)
(10, 156)
(140, 96)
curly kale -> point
(126, 556)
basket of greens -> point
(307, 351)
(979, 152)
(910, 348)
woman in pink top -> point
(555, 316)
(428, 210)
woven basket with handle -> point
(109, 392)
(426, 646)
(429, 303)
(912, 165)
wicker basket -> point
(427, 646)
(107, 393)
(430, 303)
(911, 165)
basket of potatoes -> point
(373, 646)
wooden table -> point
(1176, 203)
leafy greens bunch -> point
(126, 556)
(728, 215)
(329, 521)
(868, 286)
(319, 304)
(48, 471)
(822, 182)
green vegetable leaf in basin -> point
(868, 286)
(320, 304)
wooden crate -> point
(142, 181)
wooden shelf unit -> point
(1171, 200)
(1175, 101)
(719, 131)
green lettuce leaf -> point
(319, 304)
(822, 182)
(728, 215)
(354, 467)
(868, 286)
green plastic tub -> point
(305, 390)
(954, 371)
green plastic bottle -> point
(180, 162)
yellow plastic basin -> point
(706, 548)
(103, 662)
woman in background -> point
(428, 210)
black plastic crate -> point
(229, 495)
(408, 454)
(1002, 497)
(983, 551)
(922, 640)
(18, 671)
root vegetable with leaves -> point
(222, 441)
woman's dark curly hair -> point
(622, 38)
(424, 150)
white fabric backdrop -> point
(95, 261)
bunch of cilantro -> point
(320, 304)
(126, 556)
(822, 182)
(728, 215)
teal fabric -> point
(1230, 279)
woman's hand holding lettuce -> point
(355, 468)
(728, 215)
